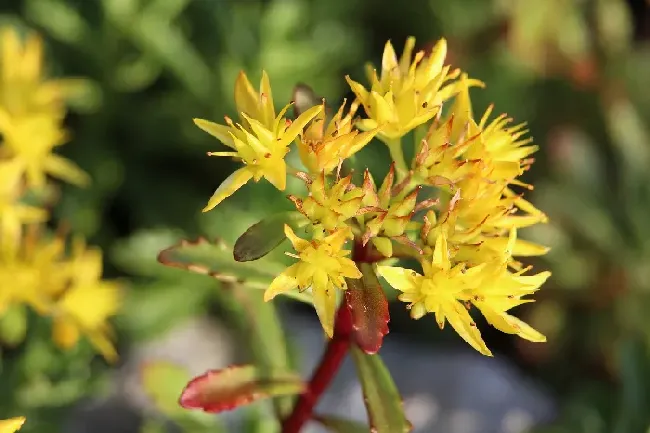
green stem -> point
(396, 153)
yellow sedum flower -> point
(408, 92)
(23, 89)
(11, 425)
(437, 291)
(322, 148)
(323, 266)
(261, 144)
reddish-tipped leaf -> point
(369, 307)
(220, 390)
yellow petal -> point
(276, 173)
(66, 170)
(11, 425)
(283, 283)
(358, 90)
(462, 322)
(441, 253)
(349, 268)
(325, 305)
(246, 98)
(220, 132)
(266, 97)
(504, 322)
(297, 125)
(229, 186)
(401, 279)
(298, 244)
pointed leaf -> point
(339, 425)
(220, 390)
(367, 302)
(216, 260)
(163, 382)
(261, 238)
(383, 402)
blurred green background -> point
(577, 70)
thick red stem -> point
(329, 365)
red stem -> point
(329, 365)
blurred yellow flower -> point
(87, 303)
(262, 151)
(323, 267)
(32, 274)
(11, 425)
(323, 148)
(24, 91)
(30, 141)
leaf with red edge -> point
(220, 390)
(367, 302)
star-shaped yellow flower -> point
(262, 150)
(408, 92)
(437, 291)
(323, 267)
(322, 147)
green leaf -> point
(216, 260)
(259, 324)
(151, 309)
(221, 390)
(339, 425)
(369, 307)
(164, 382)
(383, 402)
(264, 236)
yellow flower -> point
(495, 290)
(262, 151)
(323, 267)
(409, 92)
(11, 425)
(437, 291)
(30, 141)
(32, 274)
(330, 206)
(23, 89)
(86, 305)
(323, 148)
(14, 214)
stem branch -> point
(329, 365)
(397, 155)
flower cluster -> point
(37, 268)
(454, 207)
